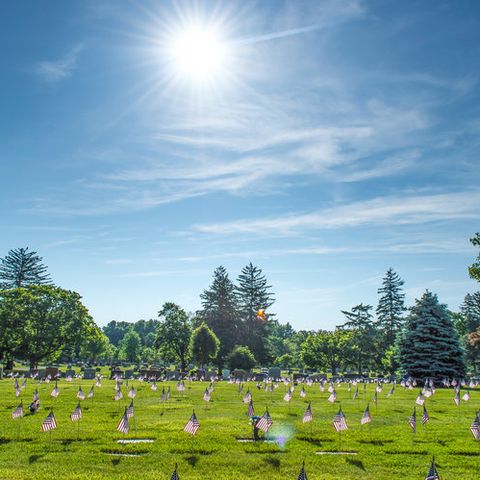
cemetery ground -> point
(386, 448)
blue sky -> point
(336, 140)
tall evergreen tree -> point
(471, 324)
(364, 339)
(471, 309)
(253, 294)
(21, 268)
(391, 307)
(220, 313)
(429, 345)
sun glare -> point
(198, 54)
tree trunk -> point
(9, 364)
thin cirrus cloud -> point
(54, 71)
(399, 210)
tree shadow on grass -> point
(356, 463)
(273, 461)
(4, 441)
(34, 458)
(375, 442)
(192, 460)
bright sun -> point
(198, 53)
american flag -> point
(425, 417)
(123, 425)
(192, 425)
(355, 395)
(168, 393)
(366, 417)
(339, 422)
(307, 416)
(80, 394)
(412, 421)
(265, 422)
(24, 384)
(456, 399)
(118, 395)
(91, 392)
(18, 412)
(69, 378)
(378, 388)
(302, 475)
(288, 395)
(132, 393)
(181, 386)
(163, 397)
(98, 383)
(55, 391)
(332, 397)
(466, 396)
(17, 392)
(36, 396)
(432, 472)
(391, 392)
(154, 386)
(251, 411)
(475, 427)
(206, 395)
(303, 393)
(76, 414)
(420, 400)
(375, 398)
(49, 423)
(175, 474)
(130, 410)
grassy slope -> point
(386, 449)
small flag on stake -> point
(265, 422)
(251, 411)
(432, 473)
(175, 474)
(425, 417)
(308, 416)
(339, 422)
(18, 412)
(366, 417)
(80, 394)
(123, 425)
(475, 427)
(192, 425)
(76, 414)
(412, 421)
(302, 475)
(49, 423)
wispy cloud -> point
(378, 211)
(53, 71)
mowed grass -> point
(386, 448)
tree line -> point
(236, 328)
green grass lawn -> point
(386, 448)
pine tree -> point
(429, 345)
(253, 294)
(220, 313)
(364, 341)
(471, 309)
(21, 268)
(470, 313)
(391, 307)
